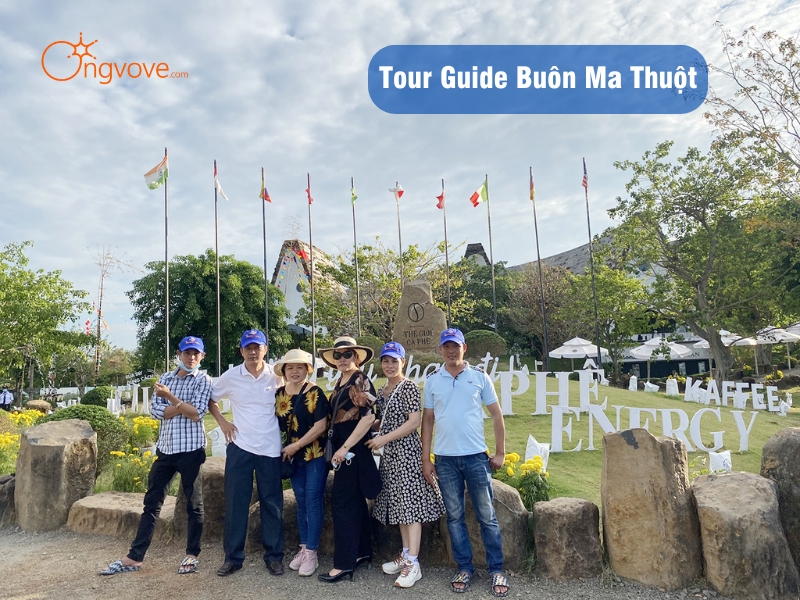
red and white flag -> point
(397, 190)
(440, 198)
(217, 184)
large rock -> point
(55, 468)
(650, 525)
(118, 513)
(566, 534)
(8, 514)
(291, 537)
(512, 516)
(419, 321)
(745, 552)
(780, 462)
(213, 502)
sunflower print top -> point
(297, 414)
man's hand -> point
(229, 431)
(496, 461)
(429, 472)
(162, 391)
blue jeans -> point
(473, 470)
(308, 484)
(239, 468)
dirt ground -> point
(64, 566)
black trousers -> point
(352, 533)
(188, 465)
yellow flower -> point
(313, 451)
(147, 454)
(311, 401)
(510, 471)
(135, 449)
(295, 424)
(283, 404)
(119, 464)
(547, 473)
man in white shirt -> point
(6, 399)
(254, 445)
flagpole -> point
(399, 236)
(166, 269)
(591, 265)
(541, 280)
(446, 256)
(355, 254)
(216, 257)
(311, 274)
(491, 255)
(266, 279)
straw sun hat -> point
(294, 357)
(342, 344)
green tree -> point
(696, 223)
(115, 365)
(192, 285)
(74, 365)
(34, 306)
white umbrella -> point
(576, 348)
(727, 338)
(749, 341)
(776, 335)
(659, 347)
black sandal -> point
(463, 578)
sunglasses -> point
(345, 354)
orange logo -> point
(57, 68)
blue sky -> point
(284, 86)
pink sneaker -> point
(298, 559)
(310, 563)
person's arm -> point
(428, 468)
(498, 425)
(314, 433)
(414, 420)
(229, 430)
(359, 432)
(177, 406)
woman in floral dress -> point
(406, 499)
(302, 409)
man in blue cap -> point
(180, 400)
(254, 446)
(455, 395)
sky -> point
(283, 86)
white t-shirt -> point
(253, 403)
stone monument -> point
(419, 321)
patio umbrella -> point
(726, 336)
(776, 335)
(576, 348)
(749, 341)
(659, 347)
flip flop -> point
(460, 577)
(117, 567)
(188, 565)
(499, 580)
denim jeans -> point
(239, 467)
(473, 470)
(308, 484)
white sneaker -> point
(298, 559)
(409, 575)
(395, 566)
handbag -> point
(329, 443)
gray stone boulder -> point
(213, 502)
(512, 516)
(780, 462)
(55, 468)
(118, 513)
(745, 551)
(8, 514)
(566, 534)
(650, 526)
(291, 537)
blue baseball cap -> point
(452, 335)
(253, 336)
(393, 349)
(191, 342)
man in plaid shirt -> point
(180, 400)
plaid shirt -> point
(181, 434)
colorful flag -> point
(481, 194)
(397, 191)
(533, 189)
(157, 176)
(308, 193)
(216, 183)
(264, 195)
(440, 203)
(585, 182)
(353, 196)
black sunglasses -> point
(345, 354)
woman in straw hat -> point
(356, 476)
(406, 499)
(302, 409)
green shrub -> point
(371, 341)
(479, 342)
(131, 469)
(98, 396)
(111, 431)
